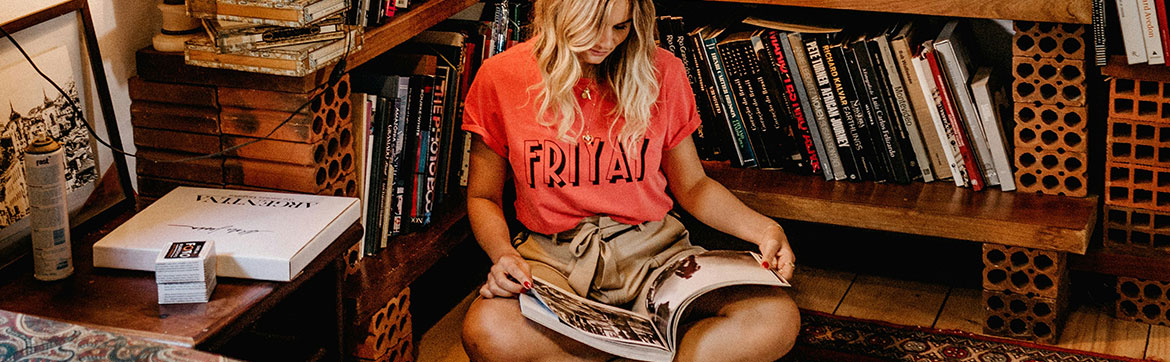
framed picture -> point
(58, 43)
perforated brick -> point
(388, 329)
(1144, 100)
(1137, 231)
(1145, 301)
(1048, 40)
(1052, 127)
(1051, 172)
(1049, 81)
(1138, 142)
(353, 258)
(1137, 186)
(1033, 318)
(1024, 271)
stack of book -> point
(896, 103)
(281, 37)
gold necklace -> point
(585, 136)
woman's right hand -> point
(509, 276)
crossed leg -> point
(743, 323)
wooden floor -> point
(1089, 327)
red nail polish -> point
(527, 285)
(766, 265)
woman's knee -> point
(489, 326)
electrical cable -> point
(334, 77)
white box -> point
(258, 235)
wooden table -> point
(126, 301)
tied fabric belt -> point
(603, 259)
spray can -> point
(44, 169)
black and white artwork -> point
(35, 107)
(596, 319)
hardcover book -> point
(292, 60)
(258, 235)
(648, 332)
(294, 13)
(231, 35)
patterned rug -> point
(28, 338)
(826, 337)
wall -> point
(122, 27)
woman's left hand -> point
(776, 252)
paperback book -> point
(648, 332)
(258, 235)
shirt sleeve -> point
(678, 103)
(481, 112)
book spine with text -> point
(810, 136)
(716, 126)
(867, 121)
(1150, 32)
(908, 127)
(956, 133)
(744, 155)
(1129, 20)
(831, 160)
(874, 99)
(850, 114)
(954, 162)
(935, 157)
(832, 108)
(732, 56)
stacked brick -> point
(1143, 300)
(1048, 63)
(312, 152)
(1025, 292)
(1137, 183)
(389, 337)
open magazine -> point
(648, 332)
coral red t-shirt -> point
(559, 183)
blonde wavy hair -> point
(568, 27)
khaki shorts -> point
(605, 260)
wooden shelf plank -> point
(403, 26)
(1150, 267)
(382, 276)
(932, 209)
(1055, 11)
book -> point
(956, 133)
(292, 60)
(834, 169)
(833, 113)
(956, 65)
(907, 125)
(1151, 35)
(1130, 23)
(232, 36)
(293, 13)
(900, 44)
(1100, 53)
(983, 87)
(932, 103)
(739, 67)
(649, 331)
(258, 235)
(744, 155)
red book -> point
(952, 115)
(1160, 10)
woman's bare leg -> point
(745, 323)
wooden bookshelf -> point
(1055, 11)
(381, 276)
(170, 67)
(938, 209)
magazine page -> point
(686, 279)
(607, 328)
